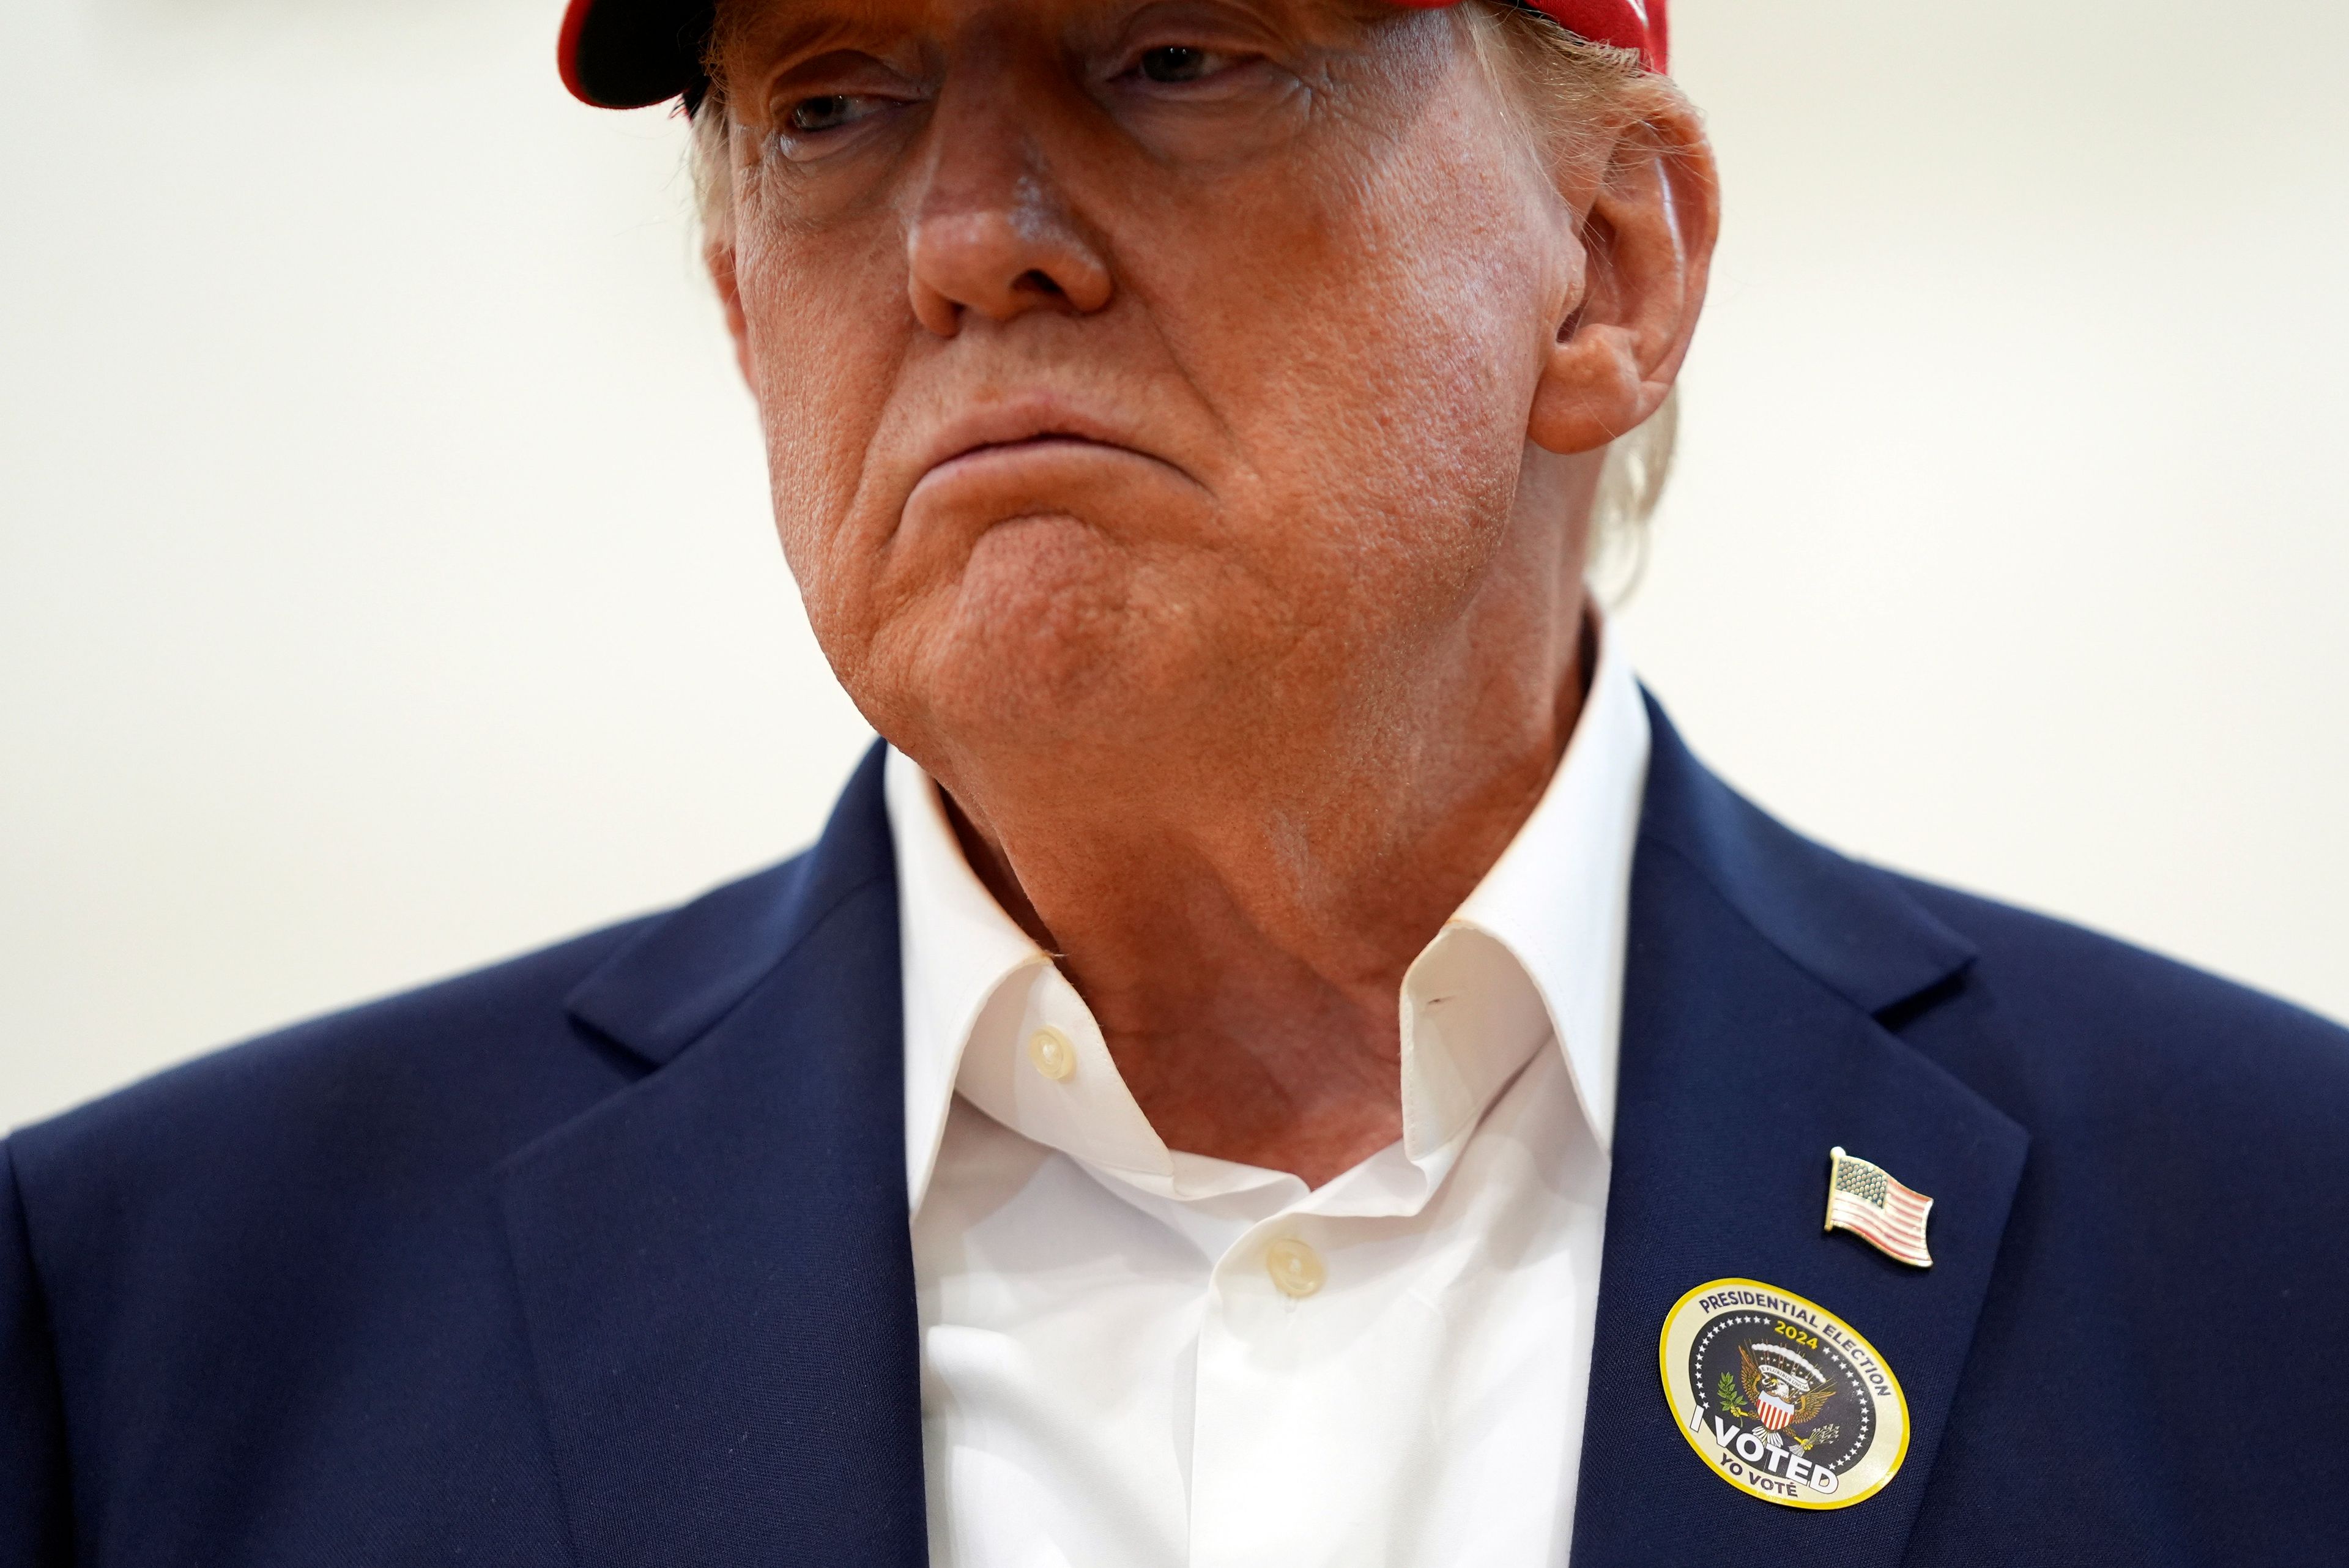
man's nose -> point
(991, 232)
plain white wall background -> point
(386, 583)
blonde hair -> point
(1559, 84)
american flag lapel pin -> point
(1864, 1199)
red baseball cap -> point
(626, 54)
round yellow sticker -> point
(1780, 1397)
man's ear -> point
(719, 257)
(1648, 242)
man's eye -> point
(813, 116)
(1176, 63)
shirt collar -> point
(956, 949)
(1560, 898)
(1536, 950)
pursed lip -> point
(1026, 423)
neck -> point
(1240, 919)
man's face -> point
(1118, 358)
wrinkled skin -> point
(1183, 420)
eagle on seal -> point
(1782, 1392)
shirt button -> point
(1295, 1267)
(1052, 1055)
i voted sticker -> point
(1780, 1397)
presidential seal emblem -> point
(1780, 1397)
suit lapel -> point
(713, 1265)
(1758, 967)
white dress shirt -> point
(1135, 1357)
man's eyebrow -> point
(774, 40)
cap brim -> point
(626, 54)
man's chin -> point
(1057, 632)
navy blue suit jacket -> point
(600, 1257)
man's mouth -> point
(1031, 424)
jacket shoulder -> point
(407, 1051)
(411, 1091)
(2064, 976)
(2112, 1048)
